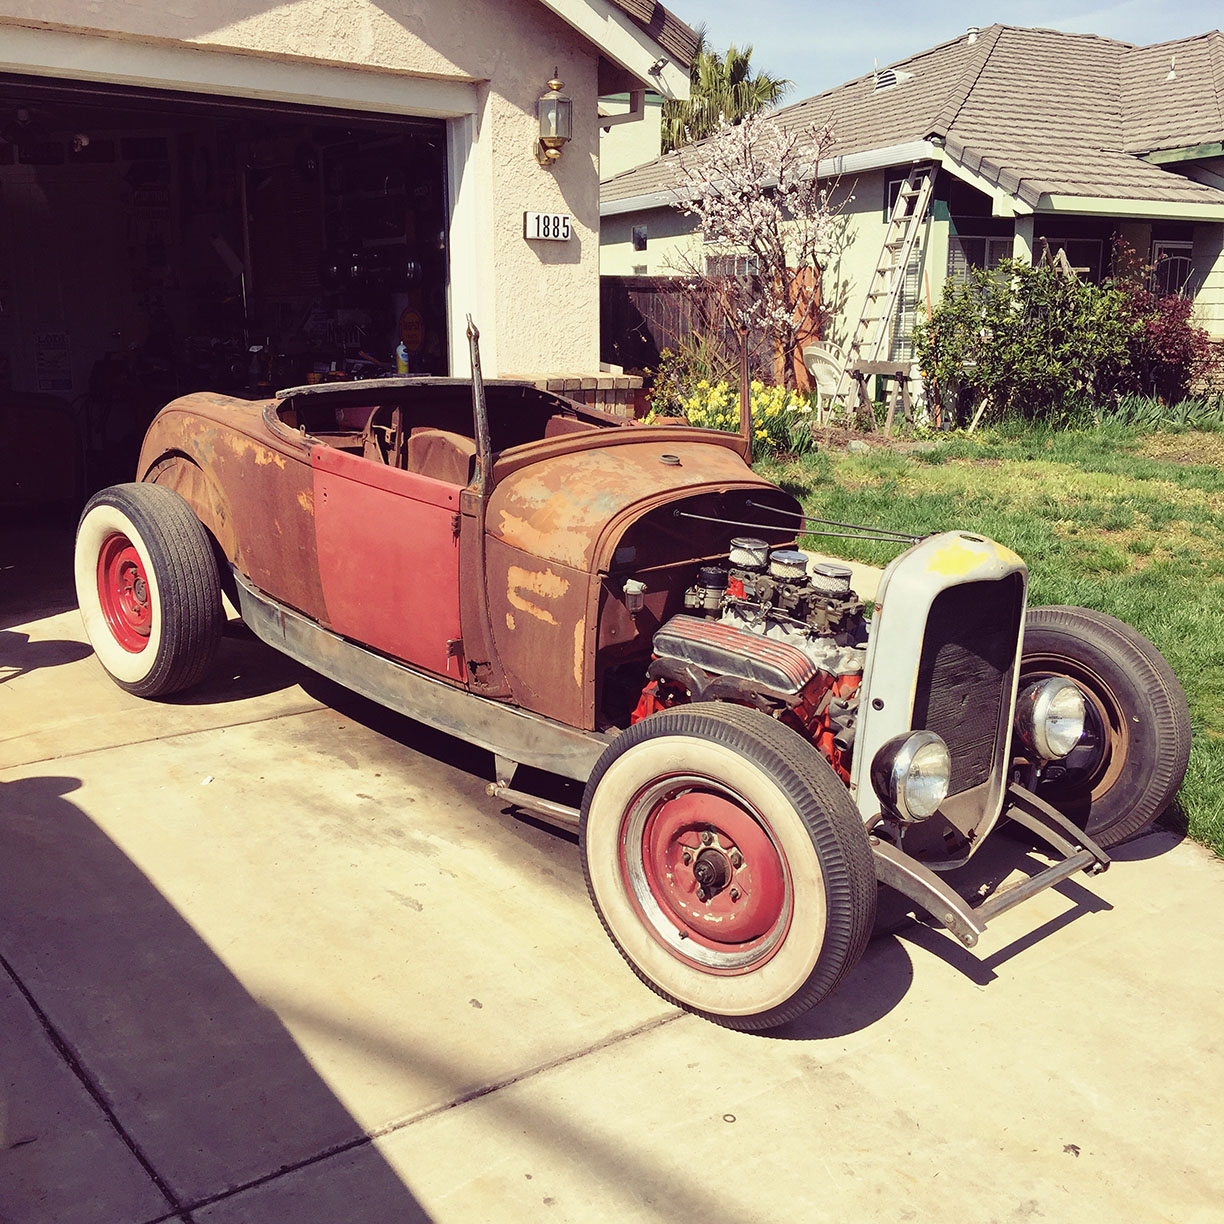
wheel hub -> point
(123, 593)
(713, 870)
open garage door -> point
(156, 243)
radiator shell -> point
(943, 655)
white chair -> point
(824, 362)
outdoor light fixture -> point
(556, 113)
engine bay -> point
(768, 628)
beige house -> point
(248, 192)
(1036, 136)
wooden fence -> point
(639, 316)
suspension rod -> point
(878, 533)
(857, 533)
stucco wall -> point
(625, 145)
(545, 295)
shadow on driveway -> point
(202, 1083)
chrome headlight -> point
(911, 773)
(1050, 717)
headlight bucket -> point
(1050, 717)
(910, 775)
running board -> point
(967, 922)
(511, 733)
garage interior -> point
(154, 244)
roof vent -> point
(890, 78)
(1172, 73)
(972, 35)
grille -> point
(964, 677)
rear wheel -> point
(728, 864)
(1136, 743)
(148, 588)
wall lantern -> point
(556, 113)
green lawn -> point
(1125, 522)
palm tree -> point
(722, 90)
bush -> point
(1039, 343)
(695, 357)
(1170, 354)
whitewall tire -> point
(148, 588)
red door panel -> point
(389, 558)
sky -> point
(820, 46)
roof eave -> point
(1104, 206)
(829, 167)
(1199, 152)
(621, 40)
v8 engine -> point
(769, 631)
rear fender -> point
(178, 471)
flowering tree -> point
(766, 220)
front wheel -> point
(1136, 743)
(727, 864)
(148, 588)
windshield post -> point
(480, 414)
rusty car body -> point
(625, 606)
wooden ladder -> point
(873, 329)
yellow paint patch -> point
(579, 652)
(545, 585)
(510, 621)
(956, 559)
(306, 500)
(243, 447)
(551, 531)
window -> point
(1083, 254)
(905, 313)
(1172, 267)
(892, 189)
(639, 237)
(732, 265)
(969, 252)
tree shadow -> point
(202, 1083)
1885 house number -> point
(553, 226)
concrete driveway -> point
(271, 954)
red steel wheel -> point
(727, 863)
(710, 869)
(123, 592)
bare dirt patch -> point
(1204, 449)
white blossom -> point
(755, 192)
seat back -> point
(442, 455)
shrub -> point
(1039, 343)
(1170, 354)
(1032, 341)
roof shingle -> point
(1040, 112)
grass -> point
(1130, 523)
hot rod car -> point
(626, 606)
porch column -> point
(1022, 243)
